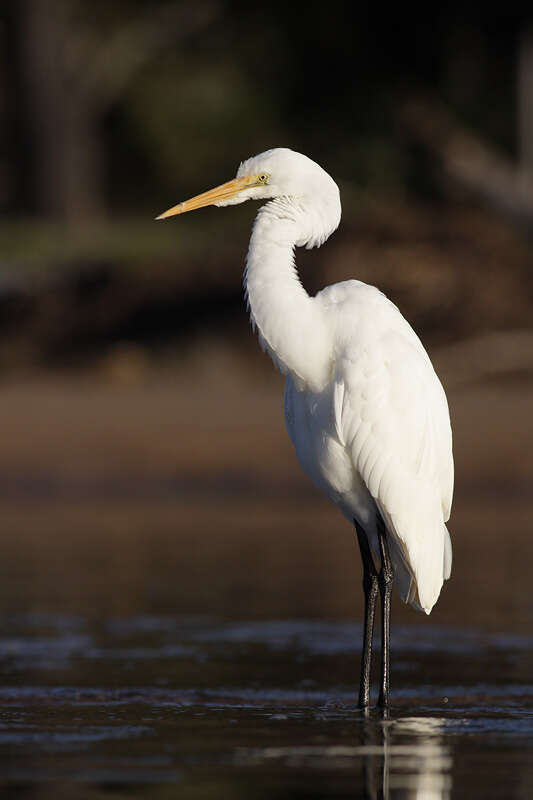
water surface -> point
(158, 706)
(197, 596)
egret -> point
(364, 408)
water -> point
(157, 706)
(195, 596)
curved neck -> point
(290, 323)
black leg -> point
(385, 580)
(370, 588)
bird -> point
(364, 408)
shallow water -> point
(131, 508)
(196, 707)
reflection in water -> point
(405, 755)
(224, 709)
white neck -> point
(290, 323)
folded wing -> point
(393, 417)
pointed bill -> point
(224, 192)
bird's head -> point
(278, 173)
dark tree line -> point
(100, 95)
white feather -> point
(364, 408)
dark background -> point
(144, 465)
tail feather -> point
(422, 560)
(448, 557)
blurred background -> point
(144, 465)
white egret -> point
(364, 409)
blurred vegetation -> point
(140, 417)
(112, 111)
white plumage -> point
(364, 408)
(378, 436)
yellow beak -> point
(223, 192)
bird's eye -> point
(263, 178)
